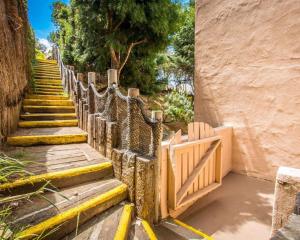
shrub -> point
(179, 107)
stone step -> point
(42, 102)
(47, 78)
(73, 207)
(47, 61)
(46, 139)
(46, 89)
(47, 116)
(49, 86)
(46, 71)
(115, 223)
(48, 83)
(59, 178)
(141, 230)
(40, 92)
(52, 123)
(48, 109)
(47, 136)
(46, 97)
(50, 76)
(175, 229)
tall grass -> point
(11, 168)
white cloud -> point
(46, 43)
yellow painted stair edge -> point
(49, 93)
(56, 175)
(47, 102)
(49, 123)
(47, 107)
(48, 115)
(72, 213)
(124, 223)
(46, 139)
(148, 229)
(192, 229)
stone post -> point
(133, 125)
(91, 108)
(286, 188)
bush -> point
(179, 107)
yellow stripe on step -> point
(49, 115)
(56, 175)
(196, 231)
(149, 230)
(25, 107)
(73, 212)
(46, 139)
(48, 93)
(124, 223)
(46, 97)
(43, 102)
(48, 86)
(51, 123)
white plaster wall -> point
(248, 76)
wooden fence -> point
(120, 129)
(191, 167)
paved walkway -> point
(240, 210)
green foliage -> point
(99, 34)
(179, 107)
(39, 54)
(177, 65)
(31, 55)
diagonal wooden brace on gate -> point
(198, 168)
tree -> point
(63, 18)
(177, 64)
(115, 34)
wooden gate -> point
(193, 166)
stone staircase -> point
(82, 199)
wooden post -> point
(112, 75)
(133, 127)
(156, 137)
(91, 108)
(91, 95)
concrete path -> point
(240, 210)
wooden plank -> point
(190, 167)
(196, 151)
(191, 134)
(200, 193)
(178, 173)
(218, 175)
(184, 168)
(206, 167)
(164, 181)
(177, 137)
(202, 151)
(200, 141)
(210, 132)
(181, 193)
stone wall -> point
(248, 76)
(14, 62)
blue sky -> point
(39, 12)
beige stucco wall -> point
(248, 76)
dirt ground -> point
(239, 210)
